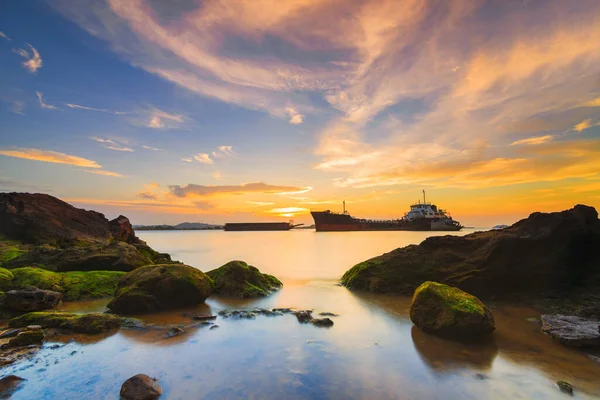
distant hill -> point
(179, 227)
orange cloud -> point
(213, 190)
(50, 156)
(533, 140)
(583, 125)
(104, 173)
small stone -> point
(175, 331)
(204, 317)
(480, 376)
(33, 328)
(565, 387)
(214, 327)
(322, 322)
(328, 314)
(304, 316)
(141, 387)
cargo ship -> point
(260, 226)
(423, 216)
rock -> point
(543, 252)
(160, 287)
(203, 317)
(43, 230)
(214, 327)
(283, 310)
(446, 311)
(84, 323)
(27, 337)
(304, 316)
(9, 384)
(591, 312)
(322, 322)
(31, 299)
(565, 387)
(175, 331)
(9, 333)
(238, 279)
(328, 314)
(141, 387)
(571, 330)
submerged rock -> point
(565, 387)
(571, 330)
(322, 322)
(238, 279)
(160, 287)
(84, 323)
(446, 311)
(27, 337)
(304, 316)
(10, 384)
(546, 251)
(31, 299)
(175, 331)
(203, 317)
(141, 387)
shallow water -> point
(372, 351)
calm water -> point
(372, 351)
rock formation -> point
(160, 287)
(571, 330)
(546, 251)
(31, 299)
(141, 387)
(238, 279)
(446, 311)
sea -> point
(372, 351)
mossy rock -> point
(27, 338)
(6, 278)
(75, 285)
(160, 287)
(84, 323)
(238, 279)
(447, 311)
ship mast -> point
(424, 200)
(344, 203)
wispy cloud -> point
(3, 35)
(213, 190)
(111, 144)
(151, 148)
(260, 203)
(50, 156)
(295, 117)
(187, 160)
(147, 195)
(163, 120)
(533, 140)
(104, 173)
(33, 59)
(45, 106)
(77, 106)
(583, 125)
(203, 158)
(17, 107)
(224, 151)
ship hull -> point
(258, 226)
(329, 222)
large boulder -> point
(84, 323)
(38, 229)
(238, 279)
(571, 330)
(446, 311)
(160, 287)
(141, 387)
(31, 299)
(546, 251)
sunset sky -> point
(216, 111)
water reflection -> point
(446, 356)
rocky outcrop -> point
(238, 279)
(543, 252)
(141, 387)
(32, 335)
(83, 323)
(10, 384)
(31, 299)
(446, 311)
(571, 330)
(160, 287)
(38, 229)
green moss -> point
(90, 284)
(5, 279)
(75, 285)
(349, 278)
(455, 299)
(86, 323)
(238, 279)
(38, 277)
(8, 253)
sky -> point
(216, 111)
